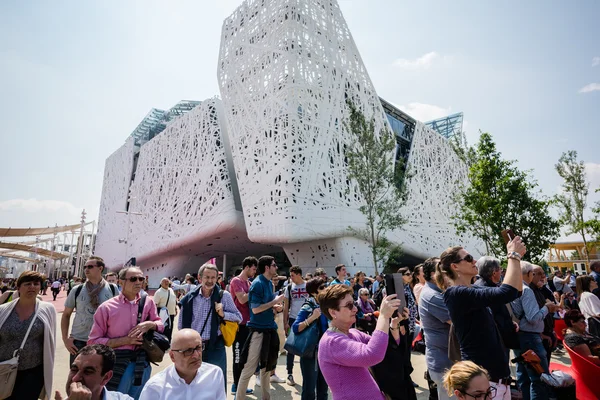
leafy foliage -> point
(374, 177)
(573, 199)
(499, 196)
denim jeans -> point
(312, 380)
(216, 356)
(126, 383)
(529, 380)
(290, 356)
(438, 378)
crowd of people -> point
(468, 313)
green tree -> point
(499, 196)
(394, 260)
(573, 199)
(376, 180)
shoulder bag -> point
(153, 343)
(228, 329)
(8, 368)
(304, 343)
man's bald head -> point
(184, 337)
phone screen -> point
(394, 284)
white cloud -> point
(595, 61)
(425, 112)
(425, 61)
(592, 171)
(34, 205)
(590, 88)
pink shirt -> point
(344, 362)
(116, 317)
(238, 285)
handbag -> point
(304, 343)
(228, 329)
(8, 368)
(153, 343)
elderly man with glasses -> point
(188, 377)
(120, 324)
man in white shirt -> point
(90, 372)
(165, 298)
(562, 284)
(55, 289)
(188, 377)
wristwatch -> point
(514, 255)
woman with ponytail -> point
(474, 325)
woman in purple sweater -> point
(345, 354)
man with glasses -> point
(85, 298)
(188, 377)
(119, 324)
(203, 309)
(531, 325)
(263, 330)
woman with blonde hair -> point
(467, 380)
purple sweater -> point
(344, 362)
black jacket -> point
(503, 320)
(393, 373)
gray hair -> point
(124, 271)
(206, 266)
(363, 291)
(487, 265)
(526, 267)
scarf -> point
(366, 307)
(94, 291)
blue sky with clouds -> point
(77, 77)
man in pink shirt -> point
(118, 325)
(239, 287)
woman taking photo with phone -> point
(346, 354)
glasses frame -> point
(191, 350)
(136, 278)
(489, 395)
(89, 266)
(347, 305)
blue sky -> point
(77, 77)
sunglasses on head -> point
(467, 258)
(136, 278)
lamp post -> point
(80, 243)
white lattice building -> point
(264, 169)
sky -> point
(77, 77)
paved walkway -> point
(278, 391)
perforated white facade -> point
(266, 167)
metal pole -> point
(80, 245)
(71, 255)
(224, 265)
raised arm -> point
(514, 277)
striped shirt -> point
(201, 308)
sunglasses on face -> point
(467, 258)
(136, 278)
(322, 287)
(189, 352)
(350, 306)
(88, 266)
(406, 274)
